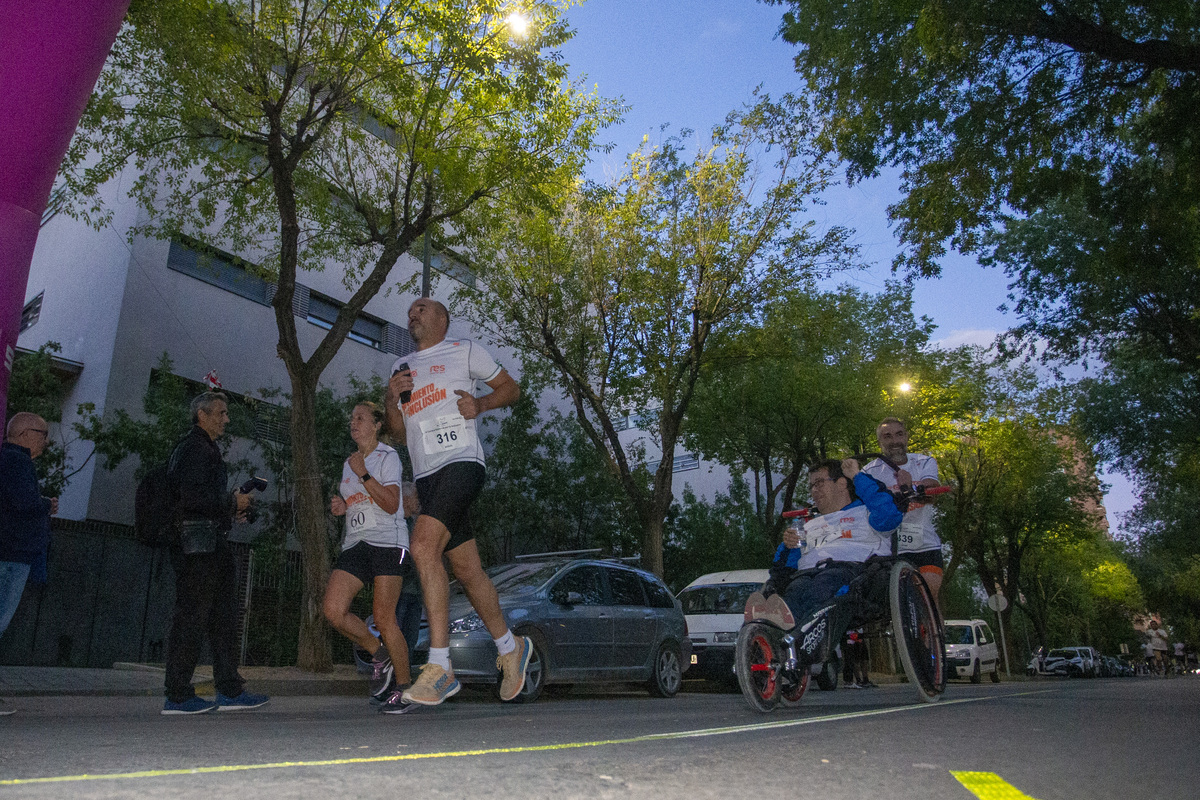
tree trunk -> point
(313, 650)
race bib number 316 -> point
(446, 433)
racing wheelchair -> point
(773, 663)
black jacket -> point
(24, 513)
(198, 467)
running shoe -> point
(395, 703)
(432, 686)
(512, 668)
(193, 705)
(382, 673)
(242, 702)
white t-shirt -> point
(365, 521)
(917, 533)
(436, 433)
(844, 535)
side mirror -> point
(574, 599)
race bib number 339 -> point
(445, 433)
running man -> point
(919, 542)
(437, 423)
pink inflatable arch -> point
(51, 53)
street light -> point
(518, 24)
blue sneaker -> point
(242, 702)
(193, 705)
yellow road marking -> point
(652, 737)
(989, 786)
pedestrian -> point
(854, 654)
(1159, 645)
(206, 596)
(432, 408)
(24, 515)
(896, 469)
(375, 551)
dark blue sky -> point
(688, 63)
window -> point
(265, 421)
(658, 594)
(31, 313)
(323, 312)
(453, 268)
(586, 581)
(626, 588)
(217, 268)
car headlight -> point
(471, 622)
(725, 637)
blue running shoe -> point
(193, 705)
(242, 702)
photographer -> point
(205, 567)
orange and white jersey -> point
(436, 433)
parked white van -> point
(713, 606)
(971, 650)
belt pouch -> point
(199, 536)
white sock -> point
(506, 643)
(440, 656)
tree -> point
(991, 105)
(809, 382)
(1017, 485)
(705, 537)
(36, 387)
(330, 133)
(617, 294)
(547, 489)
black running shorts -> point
(368, 562)
(447, 494)
(926, 560)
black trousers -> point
(206, 604)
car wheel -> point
(996, 673)
(667, 675)
(975, 676)
(827, 678)
(535, 673)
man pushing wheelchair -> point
(840, 569)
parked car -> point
(714, 605)
(1072, 662)
(591, 620)
(971, 650)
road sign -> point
(997, 602)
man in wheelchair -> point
(814, 569)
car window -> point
(657, 593)
(958, 634)
(626, 587)
(726, 598)
(980, 635)
(587, 580)
(1061, 654)
(985, 634)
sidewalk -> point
(146, 679)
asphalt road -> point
(1119, 738)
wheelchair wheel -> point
(759, 661)
(917, 629)
(792, 687)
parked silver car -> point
(591, 620)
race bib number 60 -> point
(360, 517)
(446, 433)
